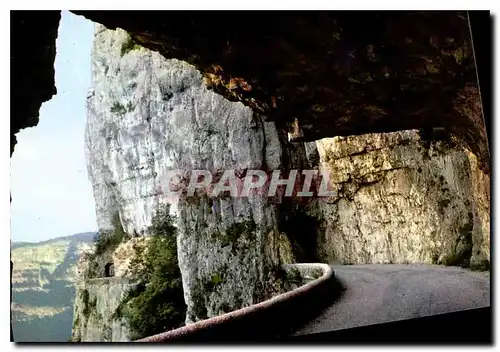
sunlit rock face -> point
(481, 208)
(94, 318)
(148, 115)
(397, 200)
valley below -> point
(43, 287)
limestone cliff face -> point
(481, 209)
(95, 319)
(95, 314)
(148, 115)
(399, 201)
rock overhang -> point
(329, 72)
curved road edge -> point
(267, 320)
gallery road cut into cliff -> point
(376, 294)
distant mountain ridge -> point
(43, 287)
(86, 237)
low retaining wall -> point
(265, 321)
(308, 271)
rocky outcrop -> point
(147, 116)
(125, 256)
(481, 207)
(398, 199)
(95, 311)
(103, 322)
(398, 71)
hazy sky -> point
(51, 193)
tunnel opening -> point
(109, 270)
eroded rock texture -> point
(398, 199)
(97, 317)
(94, 317)
(481, 183)
(397, 71)
(148, 115)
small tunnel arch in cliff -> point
(109, 270)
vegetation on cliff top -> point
(105, 243)
(129, 45)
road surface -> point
(376, 293)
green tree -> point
(157, 303)
(107, 241)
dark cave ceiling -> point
(335, 72)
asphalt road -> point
(376, 293)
